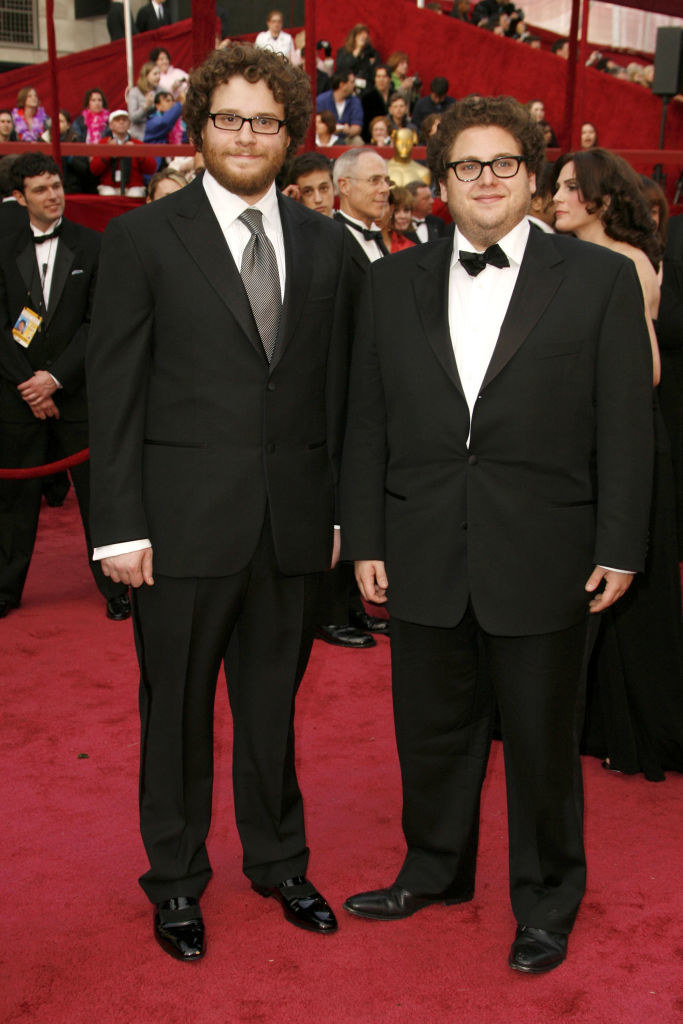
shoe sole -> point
(409, 913)
(535, 970)
(349, 647)
(168, 949)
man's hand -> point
(37, 388)
(336, 548)
(616, 585)
(44, 409)
(372, 581)
(133, 568)
(293, 192)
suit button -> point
(270, 448)
(270, 386)
(473, 460)
(463, 526)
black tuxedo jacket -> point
(192, 431)
(59, 345)
(557, 475)
(147, 20)
(436, 228)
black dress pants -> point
(261, 624)
(444, 681)
(27, 444)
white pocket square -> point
(76, 272)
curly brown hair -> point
(288, 84)
(610, 187)
(475, 111)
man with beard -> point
(218, 378)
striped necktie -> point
(262, 280)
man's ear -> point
(19, 196)
(343, 187)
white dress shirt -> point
(368, 245)
(227, 208)
(421, 230)
(477, 307)
(46, 253)
(283, 43)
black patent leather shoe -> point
(118, 608)
(345, 636)
(536, 951)
(179, 928)
(369, 623)
(394, 903)
(302, 903)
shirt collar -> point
(228, 207)
(513, 244)
(361, 225)
(38, 232)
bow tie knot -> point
(38, 239)
(475, 262)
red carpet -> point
(77, 945)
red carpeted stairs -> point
(77, 944)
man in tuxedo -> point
(49, 267)
(428, 227)
(360, 178)
(217, 377)
(154, 14)
(495, 485)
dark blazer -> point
(557, 475)
(192, 431)
(436, 227)
(116, 24)
(59, 345)
(147, 20)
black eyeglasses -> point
(261, 124)
(502, 167)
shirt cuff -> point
(125, 548)
(624, 572)
(55, 379)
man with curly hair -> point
(218, 380)
(495, 486)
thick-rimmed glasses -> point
(261, 124)
(502, 167)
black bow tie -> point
(47, 238)
(368, 234)
(474, 262)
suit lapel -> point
(64, 259)
(28, 268)
(296, 230)
(538, 279)
(431, 298)
(197, 228)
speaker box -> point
(668, 79)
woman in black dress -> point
(634, 716)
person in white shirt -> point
(273, 38)
(487, 496)
(235, 399)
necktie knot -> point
(252, 219)
(474, 262)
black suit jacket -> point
(59, 345)
(192, 431)
(557, 475)
(116, 23)
(147, 20)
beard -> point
(243, 181)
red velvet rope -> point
(50, 467)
